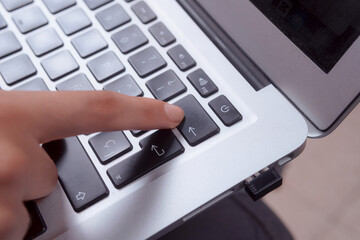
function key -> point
(181, 58)
(113, 17)
(73, 21)
(93, 4)
(147, 61)
(129, 39)
(110, 145)
(36, 84)
(11, 5)
(89, 43)
(162, 34)
(225, 110)
(166, 86)
(197, 125)
(44, 42)
(202, 83)
(77, 83)
(30, 19)
(2, 22)
(55, 70)
(17, 69)
(8, 44)
(56, 6)
(157, 149)
(105, 66)
(125, 85)
(143, 12)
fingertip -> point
(174, 113)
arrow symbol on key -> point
(155, 148)
(80, 196)
(192, 130)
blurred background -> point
(320, 195)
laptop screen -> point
(310, 50)
(324, 29)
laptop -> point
(254, 77)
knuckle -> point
(148, 109)
(103, 103)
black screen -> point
(323, 29)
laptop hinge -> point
(238, 58)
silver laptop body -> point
(272, 131)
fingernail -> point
(174, 113)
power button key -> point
(227, 113)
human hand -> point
(28, 119)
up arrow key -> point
(197, 125)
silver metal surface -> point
(270, 130)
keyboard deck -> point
(74, 51)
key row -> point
(70, 22)
(197, 127)
(81, 181)
(54, 6)
(88, 43)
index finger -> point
(55, 115)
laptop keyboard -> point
(80, 179)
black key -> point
(162, 34)
(2, 22)
(227, 113)
(56, 6)
(147, 61)
(143, 12)
(8, 44)
(55, 70)
(89, 43)
(202, 83)
(197, 125)
(77, 83)
(113, 17)
(105, 66)
(30, 19)
(44, 42)
(125, 85)
(129, 39)
(37, 224)
(157, 149)
(93, 4)
(110, 145)
(11, 5)
(36, 84)
(181, 58)
(74, 21)
(77, 175)
(166, 86)
(17, 69)
(137, 133)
